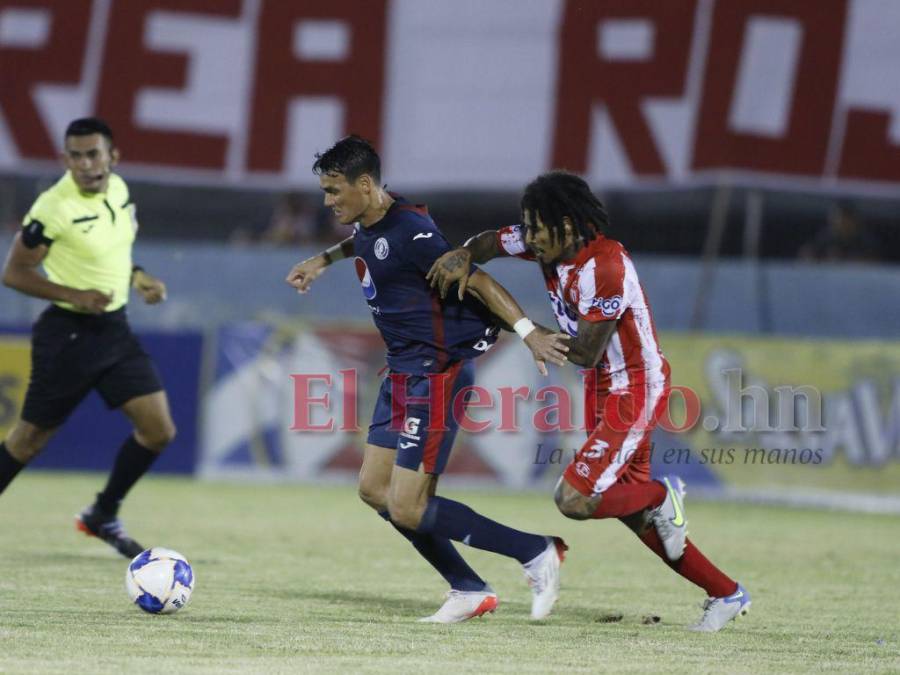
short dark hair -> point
(557, 194)
(351, 156)
(85, 126)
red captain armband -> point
(33, 235)
(511, 240)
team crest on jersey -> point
(608, 306)
(365, 278)
(381, 248)
(598, 449)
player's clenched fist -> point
(91, 301)
(152, 290)
(304, 273)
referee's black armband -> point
(33, 235)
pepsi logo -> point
(365, 278)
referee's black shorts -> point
(72, 353)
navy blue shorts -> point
(419, 415)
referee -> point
(82, 230)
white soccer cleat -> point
(542, 574)
(717, 612)
(669, 518)
(463, 605)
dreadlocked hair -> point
(558, 194)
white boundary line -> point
(803, 498)
(858, 502)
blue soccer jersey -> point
(423, 333)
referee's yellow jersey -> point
(91, 234)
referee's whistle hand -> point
(151, 289)
(91, 301)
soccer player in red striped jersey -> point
(598, 300)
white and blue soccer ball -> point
(159, 581)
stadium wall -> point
(227, 344)
(210, 284)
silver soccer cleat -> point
(669, 518)
(719, 611)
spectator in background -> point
(332, 228)
(845, 239)
(295, 221)
(10, 221)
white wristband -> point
(523, 327)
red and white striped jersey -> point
(601, 284)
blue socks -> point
(456, 521)
(441, 554)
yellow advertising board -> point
(15, 364)
(790, 412)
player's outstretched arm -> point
(453, 267)
(20, 272)
(544, 344)
(304, 273)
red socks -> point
(623, 499)
(693, 566)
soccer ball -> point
(159, 581)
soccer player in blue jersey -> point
(430, 347)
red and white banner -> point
(464, 94)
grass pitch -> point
(298, 578)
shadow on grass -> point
(370, 603)
(372, 606)
(97, 554)
(92, 555)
